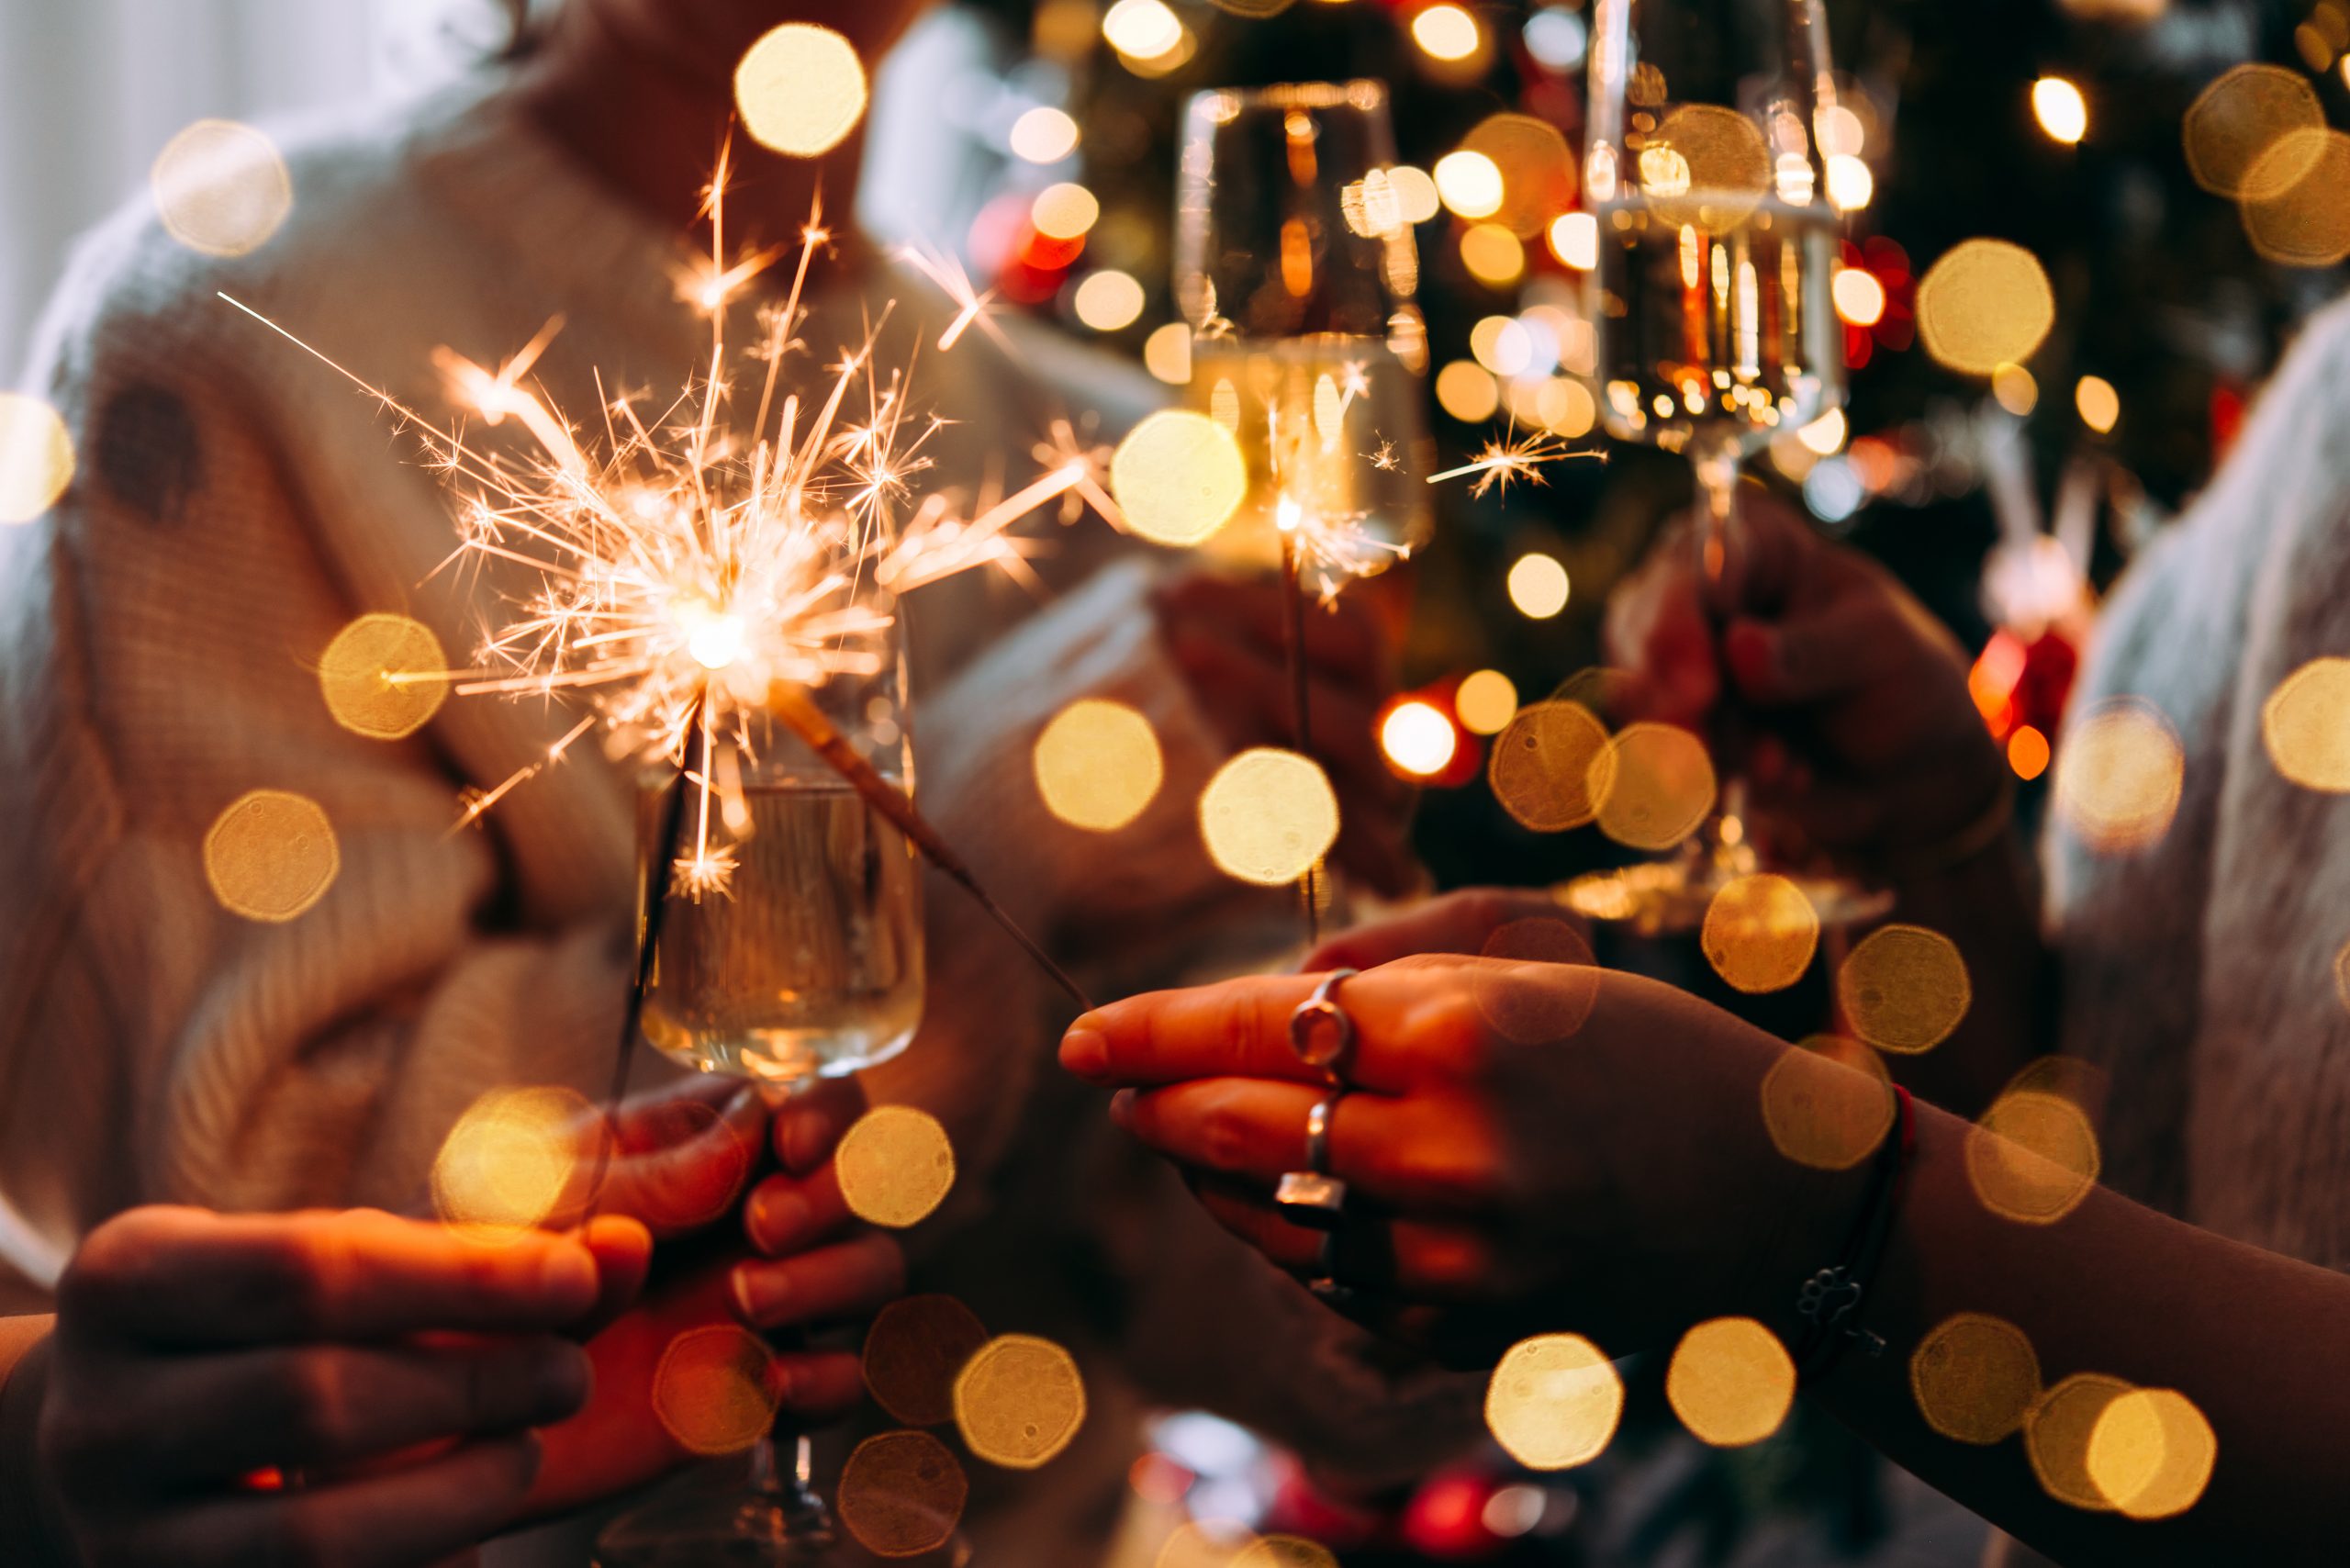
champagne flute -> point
(789, 948)
(1710, 310)
(1295, 269)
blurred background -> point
(2005, 500)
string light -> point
(1447, 32)
(2063, 113)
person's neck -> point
(647, 120)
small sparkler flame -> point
(973, 308)
(1514, 457)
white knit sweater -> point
(236, 504)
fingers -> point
(681, 1157)
(1457, 923)
(623, 1252)
(822, 1386)
(808, 1127)
(218, 1417)
(1237, 1029)
(1425, 1155)
(1412, 1258)
(1660, 633)
(849, 1279)
(788, 1214)
(176, 1276)
(417, 1515)
(1826, 652)
(1344, 642)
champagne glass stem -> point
(1300, 708)
(1723, 838)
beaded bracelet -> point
(1830, 1299)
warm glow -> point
(2099, 404)
(1824, 437)
(901, 1493)
(1492, 254)
(221, 189)
(2305, 724)
(1553, 1402)
(1143, 29)
(1502, 344)
(2301, 216)
(895, 1166)
(2013, 389)
(800, 89)
(1574, 239)
(1550, 766)
(2033, 1157)
(1661, 786)
(1986, 303)
(1466, 391)
(2242, 118)
(1470, 184)
(35, 457)
(506, 1162)
(1108, 300)
(1760, 933)
(2063, 113)
(1167, 353)
(1828, 1103)
(1268, 815)
(1416, 194)
(2151, 1453)
(1019, 1401)
(1064, 212)
(1446, 32)
(1730, 1382)
(1538, 585)
(1706, 166)
(2027, 752)
(1044, 135)
(1839, 130)
(1284, 1552)
(1904, 988)
(1974, 1378)
(1859, 297)
(271, 856)
(1564, 991)
(912, 1352)
(2057, 1433)
(717, 1389)
(1851, 184)
(1486, 701)
(2119, 774)
(1419, 740)
(1098, 765)
(1178, 477)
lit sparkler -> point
(1514, 457)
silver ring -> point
(1313, 1196)
(1320, 1031)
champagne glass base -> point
(762, 1519)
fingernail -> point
(1121, 1107)
(1085, 1052)
(759, 1294)
(776, 1218)
(778, 1380)
(568, 1274)
(565, 1378)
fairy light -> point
(35, 457)
(2063, 113)
(1859, 296)
(1470, 184)
(1447, 32)
(1418, 739)
(1108, 300)
(1064, 212)
(1538, 585)
(1574, 239)
(1851, 184)
(1142, 29)
(2098, 404)
(1044, 135)
(800, 89)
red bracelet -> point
(1830, 1300)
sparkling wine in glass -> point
(1712, 326)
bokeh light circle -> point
(895, 1166)
(2234, 123)
(221, 189)
(1178, 477)
(901, 1493)
(383, 677)
(1986, 303)
(1760, 933)
(2056, 1438)
(1550, 766)
(1098, 765)
(715, 1390)
(2120, 771)
(1828, 1103)
(1974, 1378)
(800, 89)
(2305, 724)
(1731, 1382)
(917, 1347)
(271, 856)
(1019, 1401)
(2301, 216)
(2151, 1453)
(2033, 1157)
(35, 457)
(1904, 988)
(1268, 815)
(1553, 1402)
(1659, 785)
(509, 1159)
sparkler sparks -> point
(687, 572)
(1514, 457)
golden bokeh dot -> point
(1178, 477)
(1536, 168)
(2236, 120)
(1098, 765)
(1539, 586)
(1467, 391)
(1205, 1543)
(1974, 1378)
(2119, 769)
(1549, 1004)
(1986, 303)
(1285, 1551)
(506, 1164)
(1904, 988)
(1417, 738)
(914, 1350)
(1828, 1103)
(1730, 1382)
(1718, 161)
(1064, 212)
(35, 457)
(800, 89)
(2305, 724)
(1553, 1402)
(1268, 815)
(1654, 785)
(901, 1493)
(1551, 767)
(716, 1390)
(2056, 1438)
(271, 855)
(2303, 217)
(1486, 702)
(220, 187)
(384, 675)
(2033, 1157)
(895, 1166)
(1760, 933)
(1019, 1401)
(2151, 1453)
(2070, 1078)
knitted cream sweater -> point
(236, 504)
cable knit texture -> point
(236, 504)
